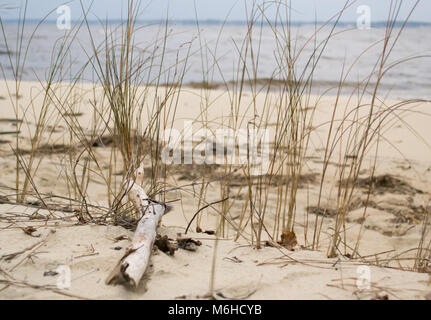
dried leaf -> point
(288, 240)
(30, 230)
(164, 244)
(188, 244)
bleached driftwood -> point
(133, 264)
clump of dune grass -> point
(39, 121)
(290, 93)
(359, 133)
(131, 79)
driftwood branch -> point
(133, 264)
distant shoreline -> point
(211, 22)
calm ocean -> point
(213, 54)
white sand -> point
(241, 271)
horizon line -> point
(379, 23)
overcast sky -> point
(304, 10)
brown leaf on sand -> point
(30, 230)
(164, 244)
(188, 244)
(288, 240)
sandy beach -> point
(37, 244)
(215, 151)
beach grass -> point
(131, 83)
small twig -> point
(32, 249)
(19, 283)
(9, 132)
(201, 209)
(40, 287)
(10, 256)
(87, 255)
(28, 255)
